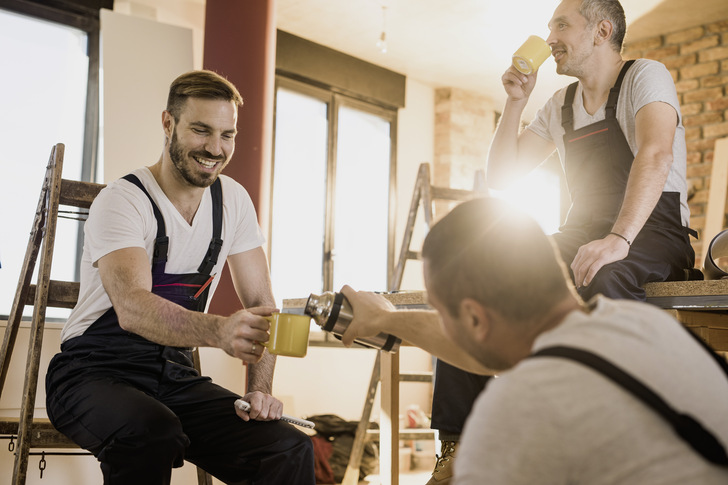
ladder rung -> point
(415, 377)
(61, 294)
(446, 193)
(414, 255)
(78, 194)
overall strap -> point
(213, 250)
(567, 109)
(700, 439)
(611, 108)
(161, 243)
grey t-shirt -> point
(552, 421)
(646, 82)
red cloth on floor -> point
(322, 449)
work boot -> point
(442, 474)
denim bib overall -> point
(142, 408)
(597, 166)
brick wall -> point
(464, 125)
(698, 61)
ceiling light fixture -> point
(382, 42)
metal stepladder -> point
(386, 364)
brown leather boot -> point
(442, 474)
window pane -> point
(299, 195)
(361, 220)
(43, 102)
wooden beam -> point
(715, 207)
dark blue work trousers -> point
(143, 414)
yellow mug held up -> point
(529, 57)
(288, 334)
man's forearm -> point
(166, 323)
(422, 328)
(260, 375)
(644, 188)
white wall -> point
(415, 145)
(139, 59)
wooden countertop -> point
(402, 299)
(696, 295)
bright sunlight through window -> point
(43, 102)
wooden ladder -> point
(56, 191)
(386, 364)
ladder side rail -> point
(38, 323)
(24, 281)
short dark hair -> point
(200, 84)
(485, 250)
(594, 11)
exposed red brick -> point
(694, 158)
(714, 54)
(693, 133)
(662, 52)
(700, 197)
(684, 36)
(687, 85)
(699, 45)
(699, 70)
(680, 61)
(719, 26)
(700, 145)
(645, 44)
(691, 109)
(702, 119)
(717, 105)
(716, 130)
(713, 81)
(706, 94)
(698, 171)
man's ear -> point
(167, 124)
(603, 32)
(475, 316)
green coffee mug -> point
(288, 334)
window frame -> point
(334, 100)
(89, 23)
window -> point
(332, 180)
(43, 98)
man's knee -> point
(613, 283)
(155, 437)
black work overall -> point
(141, 408)
(598, 162)
(597, 166)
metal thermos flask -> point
(333, 313)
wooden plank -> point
(715, 207)
(42, 435)
(79, 194)
(706, 319)
(61, 294)
(389, 420)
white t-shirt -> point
(122, 217)
(646, 82)
(550, 420)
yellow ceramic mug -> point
(529, 57)
(288, 334)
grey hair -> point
(594, 11)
